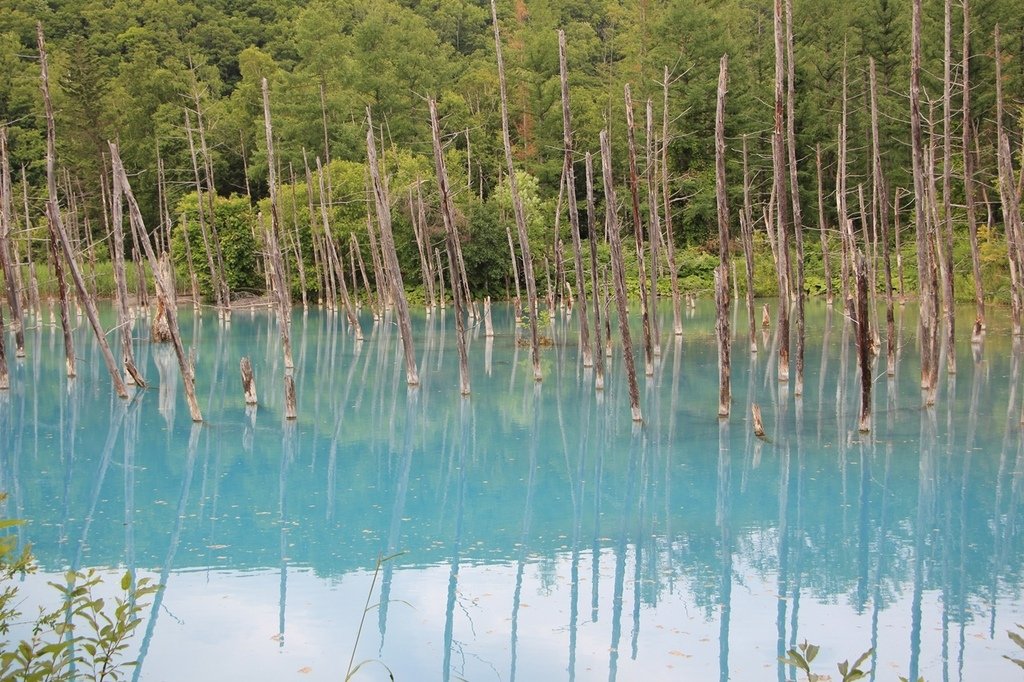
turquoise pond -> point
(543, 535)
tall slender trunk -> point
(638, 234)
(12, 277)
(722, 273)
(598, 353)
(947, 175)
(574, 219)
(677, 317)
(782, 210)
(822, 231)
(883, 202)
(747, 236)
(517, 204)
(794, 192)
(968, 134)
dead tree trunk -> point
(164, 287)
(10, 267)
(248, 382)
(822, 232)
(747, 236)
(864, 345)
(782, 211)
(451, 232)
(598, 353)
(677, 317)
(638, 234)
(517, 204)
(618, 275)
(1007, 189)
(218, 289)
(654, 233)
(794, 192)
(883, 202)
(383, 206)
(121, 286)
(722, 272)
(281, 285)
(574, 218)
(947, 175)
(59, 236)
(334, 258)
(968, 134)
(924, 250)
(419, 229)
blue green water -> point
(543, 535)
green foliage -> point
(801, 659)
(237, 228)
(83, 636)
(1017, 639)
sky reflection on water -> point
(543, 536)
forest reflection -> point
(515, 508)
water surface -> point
(542, 535)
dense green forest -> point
(130, 71)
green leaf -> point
(126, 580)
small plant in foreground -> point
(82, 638)
(803, 658)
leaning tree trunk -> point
(638, 234)
(164, 287)
(383, 206)
(59, 236)
(618, 275)
(517, 204)
(451, 232)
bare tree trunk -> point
(383, 205)
(10, 268)
(968, 134)
(164, 287)
(794, 192)
(779, 172)
(654, 233)
(296, 239)
(924, 250)
(864, 345)
(612, 218)
(598, 353)
(747, 236)
(121, 286)
(419, 229)
(722, 272)
(822, 232)
(638, 234)
(517, 204)
(677, 317)
(59, 236)
(947, 174)
(273, 231)
(574, 218)
(899, 247)
(333, 257)
(218, 290)
(5, 378)
(448, 217)
(1006, 192)
(883, 202)
(248, 382)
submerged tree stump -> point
(290, 410)
(248, 382)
